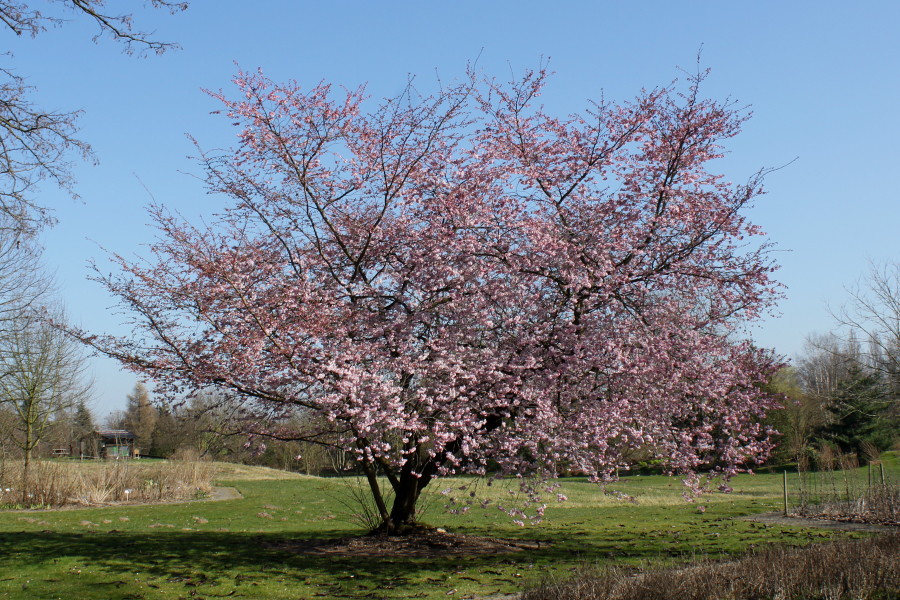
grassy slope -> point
(230, 549)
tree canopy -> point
(459, 281)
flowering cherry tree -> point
(449, 281)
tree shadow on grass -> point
(209, 564)
(232, 564)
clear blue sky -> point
(823, 80)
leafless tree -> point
(23, 19)
(23, 279)
(42, 374)
(116, 419)
(35, 144)
(873, 314)
(825, 363)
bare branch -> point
(35, 144)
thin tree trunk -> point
(25, 479)
(27, 462)
(372, 478)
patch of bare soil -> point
(857, 519)
(423, 543)
(224, 493)
(823, 522)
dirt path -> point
(215, 494)
(224, 493)
(777, 518)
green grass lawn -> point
(235, 549)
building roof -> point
(120, 434)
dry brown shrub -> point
(870, 452)
(848, 461)
(878, 504)
(857, 570)
(826, 458)
(46, 482)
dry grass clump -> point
(46, 484)
(53, 484)
(853, 570)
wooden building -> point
(115, 443)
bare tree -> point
(35, 144)
(22, 283)
(825, 363)
(23, 19)
(23, 279)
(873, 314)
(854, 372)
(42, 374)
(115, 420)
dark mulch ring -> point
(421, 543)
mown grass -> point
(235, 549)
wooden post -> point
(882, 472)
(870, 474)
(785, 494)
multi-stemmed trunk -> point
(408, 481)
(407, 485)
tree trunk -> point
(406, 494)
(372, 478)
(27, 463)
(407, 488)
(402, 518)
(416, 473)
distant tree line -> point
(208, 426)
(842, 396)
(204, 427)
